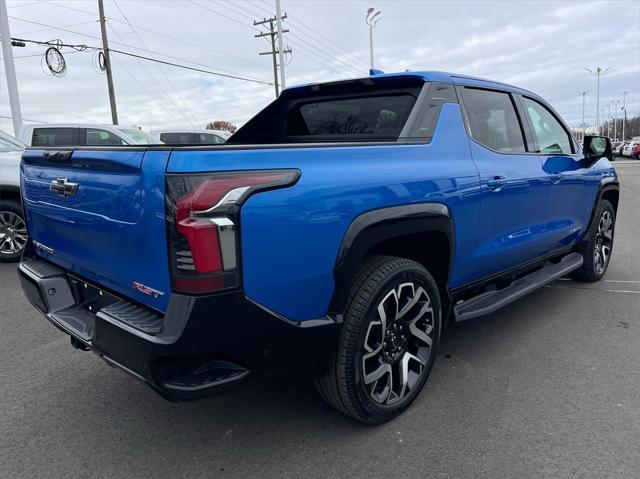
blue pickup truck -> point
(339, 230)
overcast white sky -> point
(543, 46)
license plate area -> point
(89, 297)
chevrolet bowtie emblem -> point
(63, 187)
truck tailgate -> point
(109, 229)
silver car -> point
(13, 229)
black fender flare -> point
(379, 225)
(608, 183)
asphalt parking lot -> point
(548, 387)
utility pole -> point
(283, 82)
(107, 64)
(372, 20)
(624, 109)
(273, 33)
(599, 71)
(10, 70)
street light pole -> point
(624, 116)
(599, 71)
(583, 125)
(602, 126)
(372, 20)
(615, 121)
(609, 120)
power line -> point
(328, 56)
(223, 15)
(55, 28)
(159, 67)
(24, 119)
(153, 97)
(323, 47)
(348, 55)
(170, 37)
(236, 76)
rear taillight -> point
(202, 220)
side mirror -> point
(596, 147)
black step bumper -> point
(200, 346)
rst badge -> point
(147, 290)
(64, 187)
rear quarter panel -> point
(291, 237)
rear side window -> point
(98, 137)
(551, 136)
(55, 137)
(178, 138)
(492, 120)
(379, 117)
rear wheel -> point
(388, 342)
(597, 245)
(13, 231)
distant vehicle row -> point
(627, 148)
(55, 134)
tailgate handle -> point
(58, 156)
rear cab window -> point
(61, 136)
(353, 111)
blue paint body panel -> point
(113, 231)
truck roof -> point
(427, 76)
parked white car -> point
(628, 149)
(67, 134)
(13, 229)
(192, 137)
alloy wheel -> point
(13, 233)
(603, 243)
(397, 343)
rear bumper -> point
(202, 345)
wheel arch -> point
(608, 189)
(403, 231)
(10, 192)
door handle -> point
(496, 183)
(555, 178)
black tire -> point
(378, 281)
(594, 243)
(13, 232)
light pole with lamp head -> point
(372, 19)
(599, 71)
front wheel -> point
(388, 341)
(597, 246)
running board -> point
(491, 301)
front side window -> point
(492, 120)
(375, 118)
(98, 137)
(54, 137)
(210, 139)
(138, 136)
(552, 138)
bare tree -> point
(222, 125)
